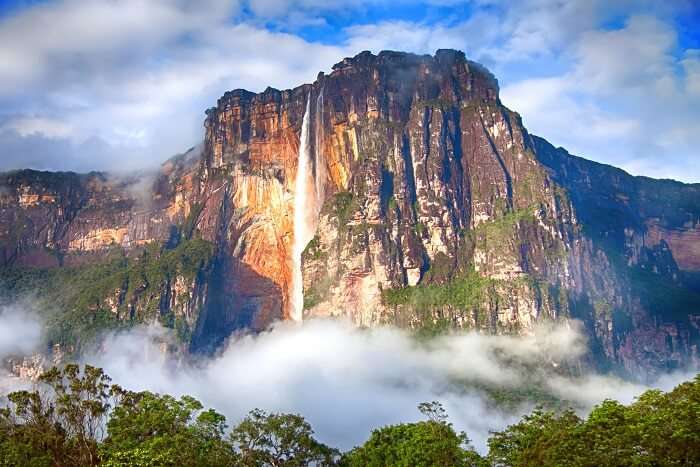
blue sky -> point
(123, 84)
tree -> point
(28, 434)
(61, 425)
(428, 443)
(276, 440)
(530, 441)
(667, 425)
(149, 429)
(609, 437)
(433, 411)
(658, 429)
(63, 422)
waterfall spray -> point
(303, 210)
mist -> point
(20, 335)
(348, 381)
(20, 331)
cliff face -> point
(428, 202)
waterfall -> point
(303, 214)
(319, 167)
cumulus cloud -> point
(134, 77)
(347, 381)
(75, 34)
(627, 59)
(623, 101)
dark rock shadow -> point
(238, 300)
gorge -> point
(397, 189)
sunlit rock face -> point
(52, 219)
(429, 203)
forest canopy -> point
(77, 417)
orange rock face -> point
(251, 157)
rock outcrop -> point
(431, 204)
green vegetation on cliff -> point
(313, 250)
(317, 292)
(79, 302)
(341, 207)
(504, 227)
(465, 291)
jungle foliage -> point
(77, 417)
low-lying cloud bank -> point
(348, 381)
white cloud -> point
(20, 331)
(553, 108)
(691, 65)
(623, 101)
(634, 57)
(57, 153)
(612, 95)
(51, 128)
(120, 94)
(402, 35)
(71, 34)
(117, 72)
(543, 27)
(77, 61)
(280, 8)
(347, 381)
(20, 336)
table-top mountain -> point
(426, 203)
